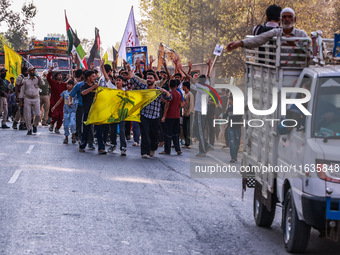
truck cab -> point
(51, 52)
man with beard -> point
(29, 94)
(288, 19)
(20, 113)
(57, 87)
(150, 116)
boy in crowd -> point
(69, 112)
(122, 137)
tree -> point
(18, 38)
(3, 41)
(17, 22)
(193, 27)
(87, 45)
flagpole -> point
(30, 65)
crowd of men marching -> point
(51, 100)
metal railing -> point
(307, 51)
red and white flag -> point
(130, 37)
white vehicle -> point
(310, 191)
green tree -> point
(3, 41)
(193, 27)
(17, 23)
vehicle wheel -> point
(263, 217)
(295, 232)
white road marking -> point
(30, 149)
(218, 160)
(15, 176)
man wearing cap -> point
(3, 97)
(29, 95)
(287, 18)
(44, 99)
(20, 113)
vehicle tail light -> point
(328, 170)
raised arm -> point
(166, 68)
(209, 68)
(124, 63)
(151, 62)
(175, 61)
(186, 74)
(49, 76)
(138, 68)
(103, 70)
(190, 66)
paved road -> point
(55, 200)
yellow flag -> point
(106, 59)
(114, 106)
(12, 63)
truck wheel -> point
(263, 217)
(295, 232)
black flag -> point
(95, 51)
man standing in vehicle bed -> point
(288, 19)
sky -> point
(109, 16)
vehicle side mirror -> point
(296, 115)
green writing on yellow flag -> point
(12, 63)
(114, 106)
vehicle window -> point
(39, 63)
(326, 122)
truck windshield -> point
(326, 122)
(61, 64)
(39, 63)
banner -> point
(164, 52)
(12, 63)
(113, 105)
(134, 53)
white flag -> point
(130, 37)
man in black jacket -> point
(3, 98)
